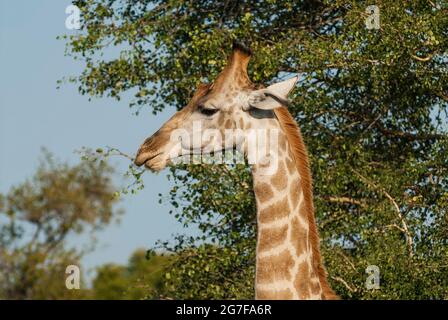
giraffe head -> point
(231, 103)
(288, 256)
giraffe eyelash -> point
(207, 112)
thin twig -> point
(339, 279)
(422, 59)
(405, 229)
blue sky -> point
(34, 114)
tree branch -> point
(411, 136)
(344, 200)
(409, 240)
(422, 59)
(339, 279)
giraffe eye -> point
(207, 112)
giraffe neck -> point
(284, 258)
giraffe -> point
(288, 260)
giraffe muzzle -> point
(145, 158)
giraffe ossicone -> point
(223, 116)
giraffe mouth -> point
(156, 161)
(146, 159)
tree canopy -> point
(36, 218)
(141, 278)
(372, 106)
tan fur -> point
(280, 295)
(275, 268)
(279, 180)
(299, 151)
(263, 191)
(275, 211)
(272, 237)
(302, 281)
(295, 192)
(235, 72)
(298, 236)
(158, 139)
(291, 165)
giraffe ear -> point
(274, 96)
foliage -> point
(141, 278)
(220, 262)
(37, 217)
(371, 104)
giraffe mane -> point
(298, 149)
